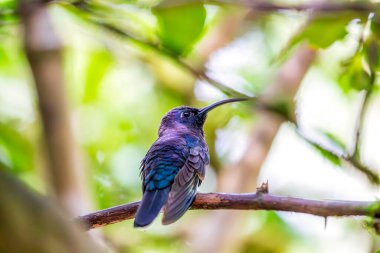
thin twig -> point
(167, 53)
(355, 154)
(252, 201)
(360, 123)
(343, 156)
(373, 177)
(164, 52)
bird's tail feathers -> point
(150, 207)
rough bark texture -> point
(248, 201)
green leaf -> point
(374, 209)
(353, 76)
(371, 52)
(372, 45)
(333, 158)
(323, 30)
(334, 140)
(180, 25)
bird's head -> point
(185, 118)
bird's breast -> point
(193, 141)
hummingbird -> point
(174, 166)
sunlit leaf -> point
(334, 140)
(333, 158)
(371, 52)
(97, 68)
(8, 11)
(180, 25)
(323, 30)
(17, 149)
(353, 76)
(10, 55)
(372, 44)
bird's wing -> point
(159, 168)
(162, 162)
(186, 182)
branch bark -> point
(245, 201)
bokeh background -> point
(124, 64)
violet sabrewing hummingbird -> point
(175, 165)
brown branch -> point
(242, 176)
(248, 201)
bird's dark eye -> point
(185, 114)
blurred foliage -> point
(180, 26)
(15, 149)
(324, 29)
(354, 76)
(333, 158)
(119, 90)
(272, 227)
(335, 140)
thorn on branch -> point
(263, 188)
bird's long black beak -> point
(203, 112)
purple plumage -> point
(175, 165)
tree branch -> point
(167, 53)
(247, 201)
(360, 122)
(372, 176)
(342, 156)
(155, 47)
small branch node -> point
(263, 188)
